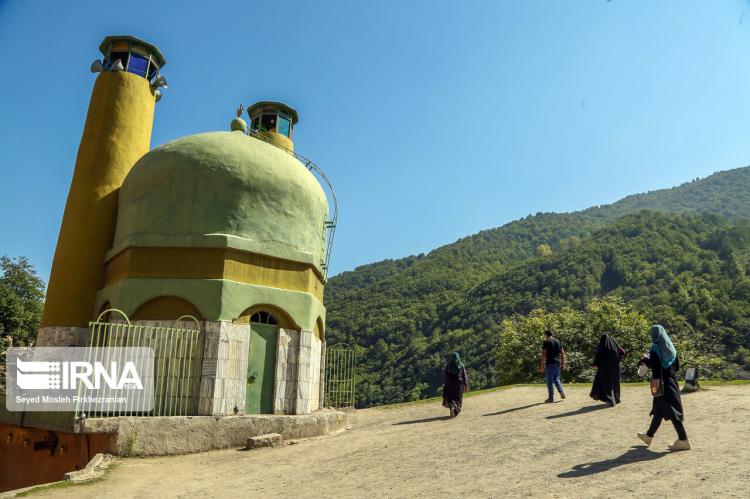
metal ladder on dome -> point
(330, 225)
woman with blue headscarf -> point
(664, 364)
(456, 382)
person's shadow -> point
(635, 454)
(582, 410)
(425, 420)
(513, 409)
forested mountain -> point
(405, 315)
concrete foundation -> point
(157, 436)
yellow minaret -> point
(117, 133)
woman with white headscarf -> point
(663, 362)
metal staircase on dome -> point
(330, 225)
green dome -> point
(223, 189)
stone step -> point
(267, 440)
(92, 470)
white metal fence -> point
(177, 364)
(340, 383)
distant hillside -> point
(398, 309)
(725, 193)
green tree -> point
(21, 300)
(543, 250)
(517, 354)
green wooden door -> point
(261, 369)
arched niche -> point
(319, 331)
(283, 319)
(165, 308)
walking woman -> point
(663, 362)
(607, 362)
(456, 382)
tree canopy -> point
(21, 300)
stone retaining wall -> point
(159, 436)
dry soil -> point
(505, 443)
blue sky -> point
(433, 119)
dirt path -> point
(504, 444)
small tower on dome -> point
(275, 121)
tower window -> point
(263, 317)
(123, 56)
(153, 70)
(268, 123)
(284, 126)
(138, 64)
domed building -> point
(218, 219)
(228, 228)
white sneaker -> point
(679, 445)
(646, 439)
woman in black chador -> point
(663, 362)
(607, 362)
(455, 384)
